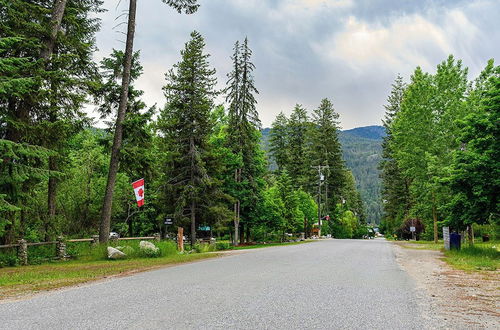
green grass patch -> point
(18, 281)
(480, 256)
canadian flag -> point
(139, 191)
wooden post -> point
(22, 252)
(95, 240)
(156, 236)
(61, 248)
(180, 239)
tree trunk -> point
(248, 234)
(236, 211)
(434, 215)
(193, 223)
(51, 198)
(470, 234)
(57, 16)
(117, 141)
(242, 233)
(236, 225)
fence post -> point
(95, 240)
(156, 236)
(61, 248)
(22, 252)
(180, 239)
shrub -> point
(8, 260)
(220, 246)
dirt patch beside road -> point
(460, 299)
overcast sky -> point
(349, 51)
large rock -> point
(115, 253)
(148, 247)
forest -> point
(441, 154)
(203, 163)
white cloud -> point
(406, 41)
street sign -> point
(412, 229)
(204, 228)
(168, 221)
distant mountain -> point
(362, 151)
(370, 132)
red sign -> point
(139, 191)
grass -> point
(91, 265)
(15, 281)
(479, 257)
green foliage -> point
(441, 152)
(220, 246)
(475, 170)
(185, 124)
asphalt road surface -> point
(331, 284)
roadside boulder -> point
(115, 253)
(148, 247)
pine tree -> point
(326, 150)
(279, 141)
(298, 147)
(395, 187)
(243, 136)
(186, 125)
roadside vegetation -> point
(19, 281)
(482, 256)
(440, 156)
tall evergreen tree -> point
(243, 136)
(186, 125)
(279, 141)
(326, 150)
(298, 147)
(395, 187)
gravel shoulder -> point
(457, 298)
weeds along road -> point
(329, 284)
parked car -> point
(114, 235)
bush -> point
(220, 246)
(205, 247)
(8, 260)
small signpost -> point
(446, 237)
(412, 229)
(168, 221)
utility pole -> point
(321, 178)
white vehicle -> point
(114, 235)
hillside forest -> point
(203, 163)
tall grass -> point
(84, 251)
(481, 256)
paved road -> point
(331, 284)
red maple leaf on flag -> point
(140, 192)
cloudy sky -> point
(304, 50)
